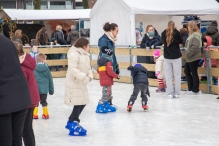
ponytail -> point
(169, 33)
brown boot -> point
(111, 98)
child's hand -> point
(157, 74)
(118, 77)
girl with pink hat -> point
(159, 70)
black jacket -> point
(173, 50)
(59, 36)
(14, 92)
(184, 38)
(146, 38)
(139, 75)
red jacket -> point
(28, 65)
(106, 74)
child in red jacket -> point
(106, 75)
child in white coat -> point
(159, 71)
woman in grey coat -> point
(193, 56)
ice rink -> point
(186, 121)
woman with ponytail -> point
(172, 62)
(108, 40)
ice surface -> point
(187, 121)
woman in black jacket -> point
(14, 95)
(172, 59)
(148, 59)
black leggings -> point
(191, 72)
(28, 134)
(76, 113)
(11, 128)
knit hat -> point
(157, 53)
(107, 51)
(214, 23)
(137, 65)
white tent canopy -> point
(126, 12)
(19, 14)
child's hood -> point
(209, 40)
(27, 61)
(102, 61)
(141, 68)
(41, 67)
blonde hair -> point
(40, 57)
(169, 32)
(18, 33)
(58, 27)
(193, 27)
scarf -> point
(110, 36)
(107, 57)
(194, 35)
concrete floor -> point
(187, 121)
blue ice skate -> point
(71, 125)
(101, 108)
(109, 107)
(77, 130)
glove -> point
(117, 70)
(118, 77)
(157, 74)
(130, 67)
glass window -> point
(44, 5)
(8, 4)
(68, 5)
(57, 5)
(79, 5)
(29, 5)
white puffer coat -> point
(159, 67)
(79, 74)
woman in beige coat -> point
(79, 74)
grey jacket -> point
(193, 48)
(72, 36)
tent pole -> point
(79, 27)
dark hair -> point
(214, 23)
(182, 31)
(19, 48)
(81, 42)
(107, 26)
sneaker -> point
(129, 108)
(217, 98)
(170, 96)
(109, 108)
(145, 107)
(175, 96)
(101, 108)
(163, 90)
(193, 93)
(187, 92)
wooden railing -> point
(130, 53)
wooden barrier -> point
(59, 62)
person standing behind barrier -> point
(212, 31)
(59, 36)
(150, 30)
(73, 35)
(172, 59)
(108, 39)
(42, 37)
(14, 95)
(193, 56)
(79, 74)
(17, 36)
